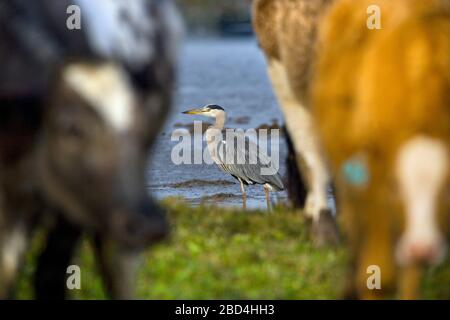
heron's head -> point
(211, 110)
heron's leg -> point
(244, 195)
(266, 191)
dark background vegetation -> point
(212, 17)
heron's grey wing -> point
(263, 161)
(246, 162)
(228, 161)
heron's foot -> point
(325, 230)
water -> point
(231, 73)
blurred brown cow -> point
(382, 103)
(287, 33)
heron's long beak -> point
(193, 111)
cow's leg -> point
(14, 240)
(410, 282)
(372, 270)
(51, 272)
(375, 265)
(117, 267)
(310, 159)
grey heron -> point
(241, 166)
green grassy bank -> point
(216, 253)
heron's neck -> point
(221, 118)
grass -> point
(217, 253)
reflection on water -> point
(231, 73)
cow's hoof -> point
(325, 230)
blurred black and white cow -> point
(79, 110)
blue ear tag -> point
(356, 172)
